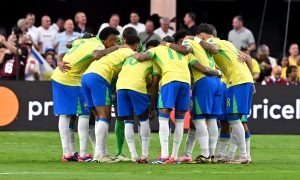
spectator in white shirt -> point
(134, 22)
(59, 25)
(114, 22)
(46, 36)
(32, 30)
(164, 29)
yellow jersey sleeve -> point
(255, 66)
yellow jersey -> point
(255, 66)
(203, 57)
(109, 66)
(235, 71)
(174, 66)
(283, 72)
(134, 75)
(79, 58)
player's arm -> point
(252, 47)
(142, 56)
(209, 47)
(206, 70)
(97, 54)
(179, 48)
(243, 57)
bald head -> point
(69, 26)
(294, 50)
(46, 22)
(276, 72)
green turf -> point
(36, 155)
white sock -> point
(92, 136)
(129, 135)
(202, 135)
(213, 132)
(190, 142)
(239, 131)
(232, 147)
(145, 137)
(164, 135)
(222, 145)
(63, 127)
(83, 133)
(248, 148)
(178, 133)
(72, 139)
(101, 132)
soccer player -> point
(67, 93)
(133, 100)
(96, 83)
(174, 92)
(240, 88)
(206, 99)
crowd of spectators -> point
(18, 46)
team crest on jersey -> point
(228, 102)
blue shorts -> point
(239, 99)
(223, 116)
(97, 90)
(132, 103)
(206, 96)
(174, 94)
(68, 100)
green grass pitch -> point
(36, 155)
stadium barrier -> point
(28, 106)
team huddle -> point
(112, 69)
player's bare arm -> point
(142, 56)
(179, 48)
(206, 70)
(211, 48)
(97, 54)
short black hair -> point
(153, 43)
(239, 17)
(135, 12)
(169, 39)
(215, 33)
(180, 34)
(107, 32)
(29, 14)
(192, 15)
(114, 14)
(129, 31)
(289, 70)
(205, 28)
(132, 40)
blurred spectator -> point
(14, 58)
(164, 29)
(46, 36)
(32, 30)
(275, 78)
(58, 26)
(32, 70)
(63, 38)
(155, 18)
(291, 74)
(114, 22)
(23, 25)
(81, 20)
(134, 22)
(265, 62)
(255, 65)
(50, 59)
(148, 34)
(240, 35)
(190, 21)
(3, 31)
(294, 58)
(284, 65)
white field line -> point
(103, 173)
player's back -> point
(227, 59)
(174, 65)
(134, 74)
(203, 57)
(79, 57)
(110, 65)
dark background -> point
(217, 12)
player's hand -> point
(241, 58)
(189, 37)
(63, 66)
(2, 39)
(137, 56)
